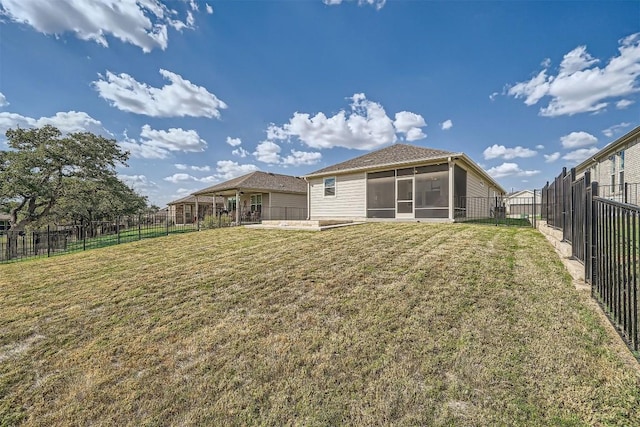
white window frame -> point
(621, 171)
(325, 187)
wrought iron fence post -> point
(534, 208)
(48, 242)
(595, 279)
(118, 227)
(626, 192)
(83, 227)
(139, 226)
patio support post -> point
(238, 207)
(451, 190)
(197, 215)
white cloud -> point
(297, 158)
(580, 154)
(550, 158)
(184, 167)
(140, 150)
(624, 103)
(138, 182)
(509, 169)
(539, 147)
(209, 9)
(610, 131)
(493, 96)
(179, 177)
(157, 144)
(234, 142)
(3, 100)
(227, 169)
(240, 152)
(580, 85)
(269, 152)
(179, 98)
(578, 139)
(446, 125)
(378, 4)
(496, 151)
(142, 23)
(410, 124)
(366, 126)
(175, 139)
(66, 122)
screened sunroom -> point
(415, 192)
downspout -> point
(308, 199)
(451, 189)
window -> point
(613, 173)
(256, 203)
(329, 187)
(621, 173)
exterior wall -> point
(348, 203)
(601, 173)
(478, 192)
(286, 206)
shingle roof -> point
(192, 199)
(392, 155)
(264, 181)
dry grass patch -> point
(407, 324)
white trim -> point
(324, 186)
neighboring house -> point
(613, 166)
(183, 211)
(261, 195)
(523, 204)
(403, 181)
(4, 222)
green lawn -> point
(375, 324)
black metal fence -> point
(603, 234)
(80, 236)
(615, 283)
(499, 210)
(626, 193)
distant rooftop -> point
(259, 181)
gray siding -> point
(348, 203)
(287, 206)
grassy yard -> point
(376, 324)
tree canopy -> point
(45, 173)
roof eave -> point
(383, 165)
(609, 149)
(481, 171)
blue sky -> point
(203, 91)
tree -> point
(36, 171)
(89, 200)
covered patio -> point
(251, 198)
